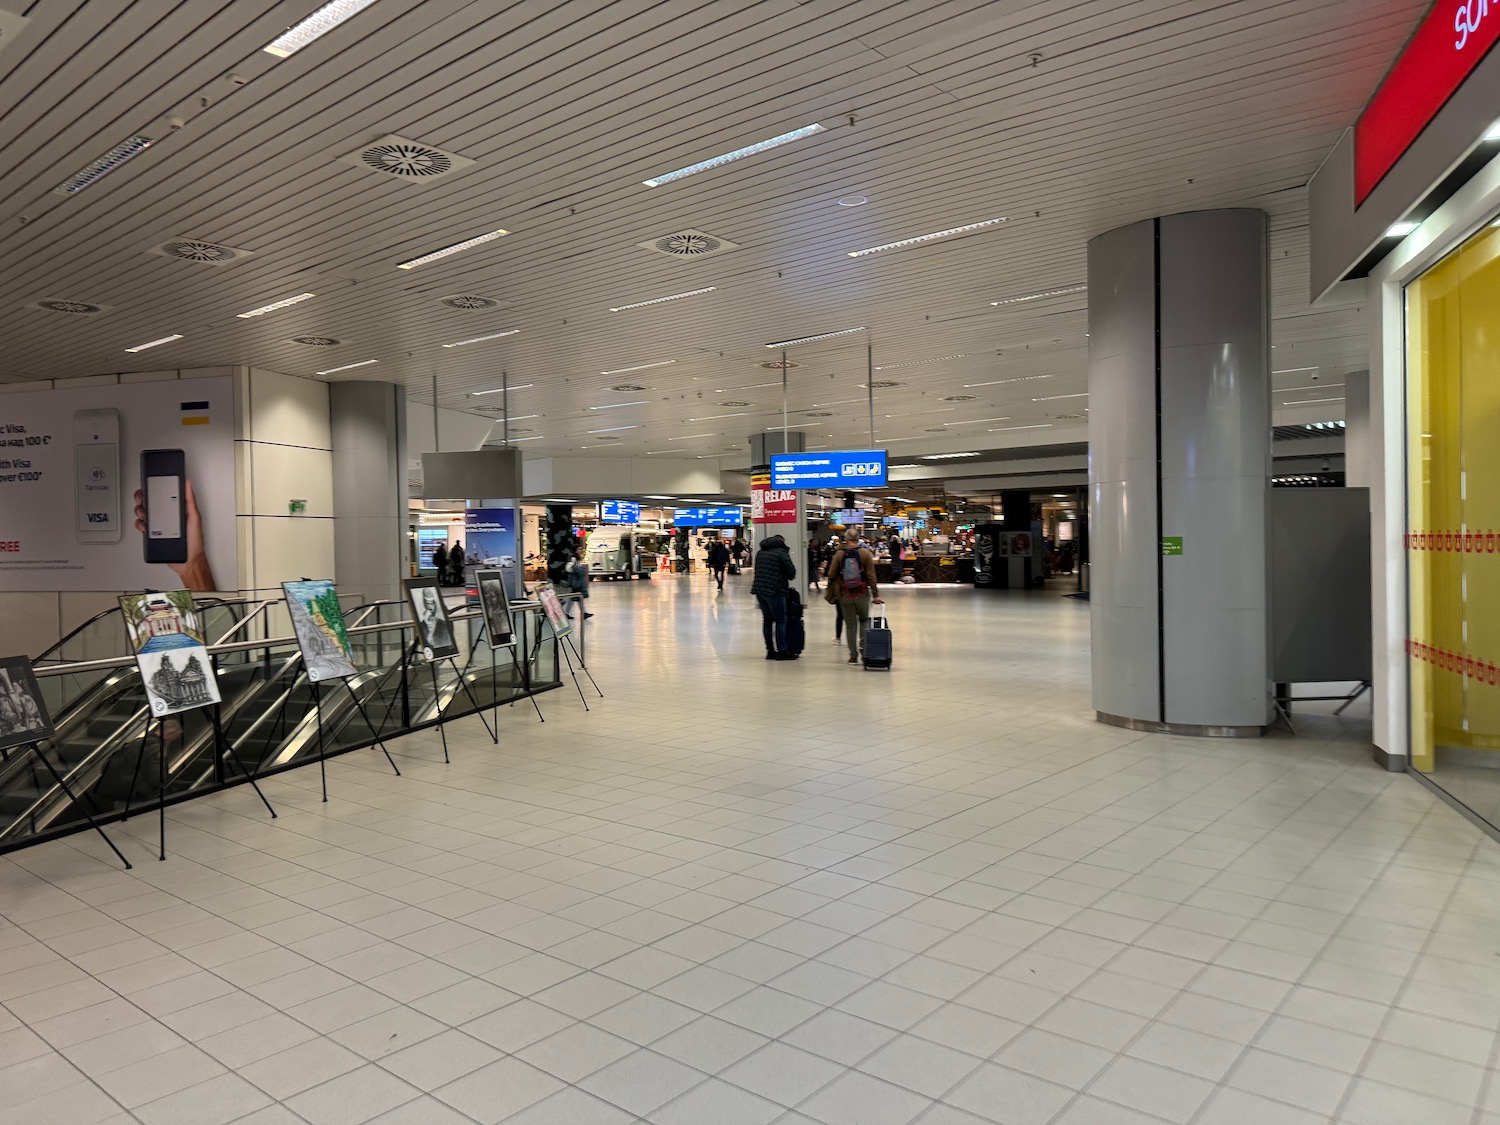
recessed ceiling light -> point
(1312, 387)
(949, 233)
(298, 299)
(1306, 401)
(716, 417)
(348, 366)
(938, 410)
(155, 343)
(819, 336)
(921, 362)
(617, 405)
(481, 339)
(612, 429)
(663, 300)
(96, 170)
(639, 367)
(324, 20)
(977, 421)
(854, 201)
(946, 456)
(1493, 133)
(661, 497)
(1401, 229)
(1291, 370)
(999, 382)
(1039, 296)
(737, 154)
(502, 390)
(539, 437)
(1054, 398)
(689, 437)
(1002, 429)
(456, 248)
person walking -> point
(852, 587)
(898, 565)
(774, 571)
(578, 578)
(456, 564)
(814, 563)
(718, 560)
(440, 562)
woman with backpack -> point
(852, 588)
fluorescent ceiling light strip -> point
(922, 362)
(913, 413)
(324, 20)
(1039, 296)
(538, 437)
(820, 336)
(977, 421)
(1002, 429)
(1401, 229)
(1291, 370)
(950, 232)
(481, 339)
(1314, 387)
(716, 417)
(690, 437)
(96, 170)
(737, 154)
(348, 366)
(638, 367)
(617, 405)
(999, 382)
(502, 390)
(663, 300)
(751, 387)
(456, 248)
(612, 429)
(1306, 401)
(1054, 398)
(518, 417)
(946, 456)
(155, 343)
(297, 300)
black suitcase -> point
(878, 646)
(796, 632)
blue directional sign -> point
(619, 511)
(707, 517)
(837, 469)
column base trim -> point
(1190, 730)
(1392, 763)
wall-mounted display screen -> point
(619, 511)
(850, 515)
(837, 469)
(707, 517)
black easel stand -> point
(437, 701)
(568, 642)
(522, 677)
(36, 748)
(222, 746)
(322, 745)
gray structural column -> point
(368, 427)
(1179, 466)
(790, 512)
(558, 528)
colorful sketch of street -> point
(169, 650)
(553, 608)
(319, 624)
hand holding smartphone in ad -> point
(166, 514)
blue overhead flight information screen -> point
(837, 469)
(707, 517)
(619, 511)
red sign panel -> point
(771, 505)
(1446, 48)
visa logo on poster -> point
(97, 517)
(827, 470)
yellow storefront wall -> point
(1453, 506)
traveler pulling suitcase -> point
(796, 633)
(878, 645)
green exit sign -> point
(1171, 544)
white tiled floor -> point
(751, 892)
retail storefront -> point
(1404, 218)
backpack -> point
(853, 575)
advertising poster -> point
(552, 606)
(118, 487)
(492, 596)
(434, 630)
(490, 542)
(318, 622)
(771, 505)
(23, 714)
(170, 651)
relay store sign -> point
(842, 469)
(1450, 43)
(771, 505)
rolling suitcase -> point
(878, 645)
(796, 632)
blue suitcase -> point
(878, 646)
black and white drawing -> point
(177, 679)
(434, 630)
(496, 606)
(23, 714)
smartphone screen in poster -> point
(162, 472)
(163, 500)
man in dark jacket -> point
(774, 571)
(718, 560)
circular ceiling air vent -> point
(469, 302)
(317, 341)
(775, 365)
(78, 308)
(960, 398)
(407, 160)
(884, 384)
(688, 245)
(735, 402)
(199, 251)
(627, 387)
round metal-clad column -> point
(1179, 460)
